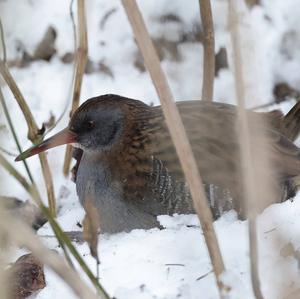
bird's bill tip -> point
(28, 153)
(63, 137)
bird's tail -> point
(291, 122)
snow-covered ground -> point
(173, 262)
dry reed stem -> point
(7, 113)
(178, 134)
(69, 99)
(80, 62)
(246, 155)
(2, 41)
(209, 51)
(33, 130)
(14, 134)
(33, 133)
(24, 236)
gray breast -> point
(94, 182)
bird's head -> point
(96, 126)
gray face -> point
(97, 128)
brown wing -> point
(211, 129)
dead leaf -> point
(287, 250)
(25, 277)
(91, 228)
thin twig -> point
(209, 50)
(204, 275)
(252, 230)
(246, 154)
(73, 24)
(33, 132)
(176, 128)
(6, 111)
(13, 131)
(80, 62)
(66, 106)
(60, 117)
(8, 152)
(262, 106)
(3, 42)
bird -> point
(127, 166)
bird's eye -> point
(90, 125)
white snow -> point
(173, 262)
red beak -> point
(65, 136)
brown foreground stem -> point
(80, 63)
(209, 50)
(34, 134)
(247, 157)
(14, 134)
(178, 134)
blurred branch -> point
(80, 63)
(73, 24)
(65, 109)
(34, 134)
(6, 111)
(3, 41)
(13, 131)
(7, 152)
(33, 131)
(254, 262)
(24, 236)
(209, 50)
(176, 129)
(246, 155)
